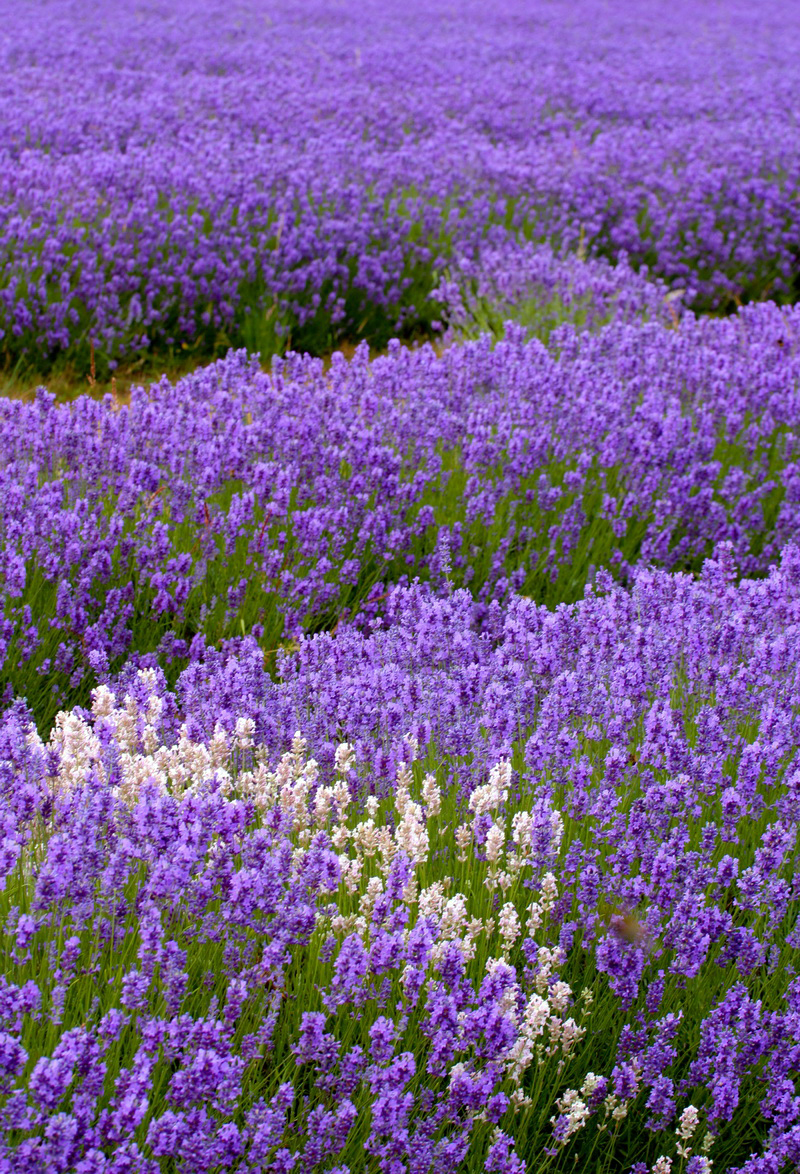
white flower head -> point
(103, 701)
(521, 828)
(560, 996)
(412, 834)
(549, 892)
(323, 800)
(370, 896)
(508, 923)
(345, 758)
(494, 843)
(431, 796)
(218, 747)
(453, 917)
(245, 733)
(402, 791)
(463, 840)
(690, 1118)
(534, 916)
(489, 797)
(412, 744)
(431, 901)
(576, 1112)
(590, 1083)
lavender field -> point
(398, 753)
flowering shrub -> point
(241, 174)
(398, 759)
(299, 971)
(237, 501)
(529, 284)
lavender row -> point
(247, 174)
(562, 929)
(280, 504)
(533, 286)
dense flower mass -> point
(518, 953)
(466, 881)
(252, 171)
(237, 501)
(398, 756)
(530, 285)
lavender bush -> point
(398, 764)
(200, 174)
(220, 956)
(530, 285)
(520, 894)
(240, 502)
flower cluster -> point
(244, 173)
(398, 758)
(531, 285)
(237, 501)
(240, 898)
(427, 953)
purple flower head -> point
(349, 973)
(315, 1045)
(501, 1157)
